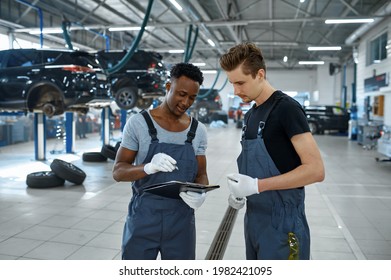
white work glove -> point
(242, 185)
(160, 162)
(236, 203)
(193, 199)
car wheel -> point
(49, 110)
(126, 98)
(44, 179)
(144, 103)
(68, 171)
(108, 151)
(313, 127)
(202, 114)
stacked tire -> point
(106, 152)
(61, 171)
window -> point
(23, 58)
(377, 49)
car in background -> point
(207, 105)
(240, 112)
(327, 118)
(51, 81)
(139, 81)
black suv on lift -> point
(139, 81)
(207, 103)
(51, 81)
(321, 118)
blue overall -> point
(158, 224)
(271, 215)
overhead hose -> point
(189, 51)
(135, 43)
(223, 86)
(185, 55)
(64, 26)
(211, 88)
(192, 47)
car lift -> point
(70, 124)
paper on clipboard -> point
(172, 189)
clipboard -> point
(171, 189)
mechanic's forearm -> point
(301, 176)
(125, 172)
(202, 179)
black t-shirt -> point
(285, 120)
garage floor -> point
(349, 213)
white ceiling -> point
(280, 27)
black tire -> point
(94, 157)
(44, 179)
(108, 151)
(203, 114)
(126, 98)
(68, 171)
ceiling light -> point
(352, 20)
(209, 71)
(46, 31)
(200, 64)
(125, 28)
(176, 5)
(211, 43)
(176, 51)
(330, 48)
(285, 59)
(313, 62)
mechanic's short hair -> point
(246, 54)
(187, 69)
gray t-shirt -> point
(136, 137)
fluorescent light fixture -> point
(209, 71)
(330, 48)
(176, 5)
(352, 20)
(125, 28)
(176, 51)
(313, 62)
(199, 64)
(46, 31)
(211, 43)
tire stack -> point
(61, 171)
(106, 152)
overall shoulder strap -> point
(151, 128)
(278, 96)
(192, 132)
(262, 123)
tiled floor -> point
(349, 213)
